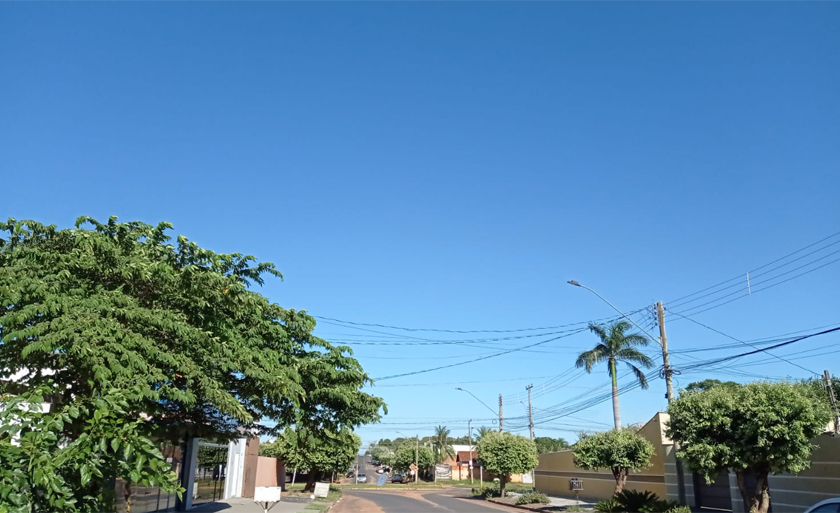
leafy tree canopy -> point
(173, 325)
(547, 444)
(759, 429)
(504, 453)
(404, 456)
(40, 470)
(620, 450)
(699, 386)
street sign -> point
(412, 472)
(381, 480)
(412, 467)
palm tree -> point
(482, 432)
(616, 345)
(441, 445)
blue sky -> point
(450, 166)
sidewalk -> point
(249, 506)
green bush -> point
(634, 500)
(487, 492)
(575, 507)
(679, 509)
(533, 498)
(610, 506)
(660, 506)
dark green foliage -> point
(699, 386)
(634, 500)
(533, 498)
(405, 454)
(621, 451)
(609, 506)
(441, 444)
(504, 453)
(547, 444)
(758, 429)
(45, 472)
(117, 305)
(661, 506)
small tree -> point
(320, 453)
(441, 444)
(758, 429)
(504, 454)
(620, 450)
(404, 456)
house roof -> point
(466, 455)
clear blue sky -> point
(452, 165)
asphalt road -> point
(452, 500)
(363, 463)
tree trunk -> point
(742, 487)
(502, 480)
(616, 410)
(127, 492)
(310, 481)
(762, 492)
(620, 476)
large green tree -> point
(620, 450)
(616, 345)
(173, 326)
(441, 444)
(547, 444)
(504, 454)
(758, 429)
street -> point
(454, 500)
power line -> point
(742, 342)
(761, 289)
(438, 330)
(741, 276)
(477, 359)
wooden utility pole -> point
(530, 412)
(416, 457)
(500, 413)
(829, 384)
(666, 366)
(469, 434)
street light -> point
(605, 300)
(477, 399)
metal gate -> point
(210, 472)
(715, 495)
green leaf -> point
(85, 474)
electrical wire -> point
(743, 342)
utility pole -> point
(666, 366)
(530, 412)
(663, 341)
(830, 385)
(416, 457)
(469, 433)
(500, 413)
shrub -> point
(610, 506)
(533, 498)
(486, 492)
(680, 508)
(634, 500)
(575, 507)
(660, 506)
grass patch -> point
(297, 491)
(315, 506)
